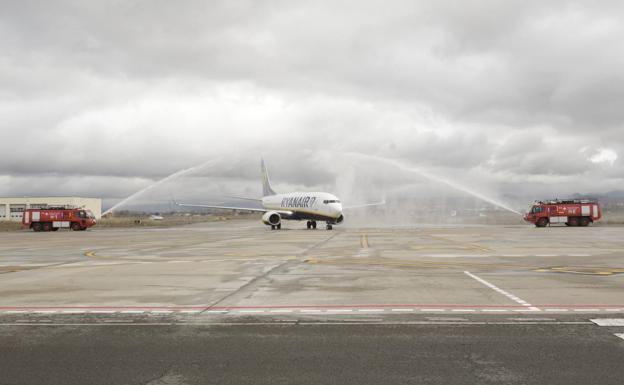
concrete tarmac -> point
(241, 265)
(233, 302)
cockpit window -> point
(328, 201)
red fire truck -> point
(572, 212)
(54, 218)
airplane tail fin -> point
(266, 183)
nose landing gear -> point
(329, 226)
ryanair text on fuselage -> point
(302, 201)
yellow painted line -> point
(414, 264)
(364, 241)
(601, 271)
(452, 241)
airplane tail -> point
(266, 183)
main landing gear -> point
(311, 225)
(276, 227)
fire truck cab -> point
(573, 212)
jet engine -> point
(271, 218)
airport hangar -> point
(11, 209)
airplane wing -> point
(365, 205)
(282, 212)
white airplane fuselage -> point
(314, 206)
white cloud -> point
(605, 156)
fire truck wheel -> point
(573, 221)
(584, 221)
(47, 227)
(542, 222)
(75, 226)
(36, 226)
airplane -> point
(310, 206)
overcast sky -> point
(103, 98)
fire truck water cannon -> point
(571, 212)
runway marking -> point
(297, 323)
(620, 335)
(329, 309)
(501, 291)
(608, 321)
(364, 241)
(582, 270)
(473, 246)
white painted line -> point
(464, 310)
(432, 310)
(494, 310)
(161, 311)
(44, 311)
(282, 311)
(587, 310)
(621, 335)
(190, 311)
(15, 311)
(132, 312)
(310, 311)
(608, 321)
(73, 311)
(216, 311)
(501, 291)
(340, 311)
(371, 310)
(251, 311)
(615, 310)
(102, 311)
(403, 310)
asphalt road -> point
(439, 353)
